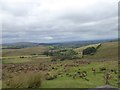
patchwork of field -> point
(28, 68)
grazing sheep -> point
(85, 72)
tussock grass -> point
(28, 80)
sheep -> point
(85, 72)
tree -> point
(89, 50)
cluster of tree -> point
(89, 51)
(61, 54)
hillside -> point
(107, 51)
(84, 47)
(23, 51)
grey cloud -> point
(37, 21)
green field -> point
(61, 74)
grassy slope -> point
(23, 51)
(107, 51)
(84, 47)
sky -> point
(47, 21)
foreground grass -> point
(63, 81)
(67, 82)
(94, 80)
(29, 80)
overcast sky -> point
(47, 21)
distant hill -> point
(18, 45)
(72, 44)
(75, 44)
